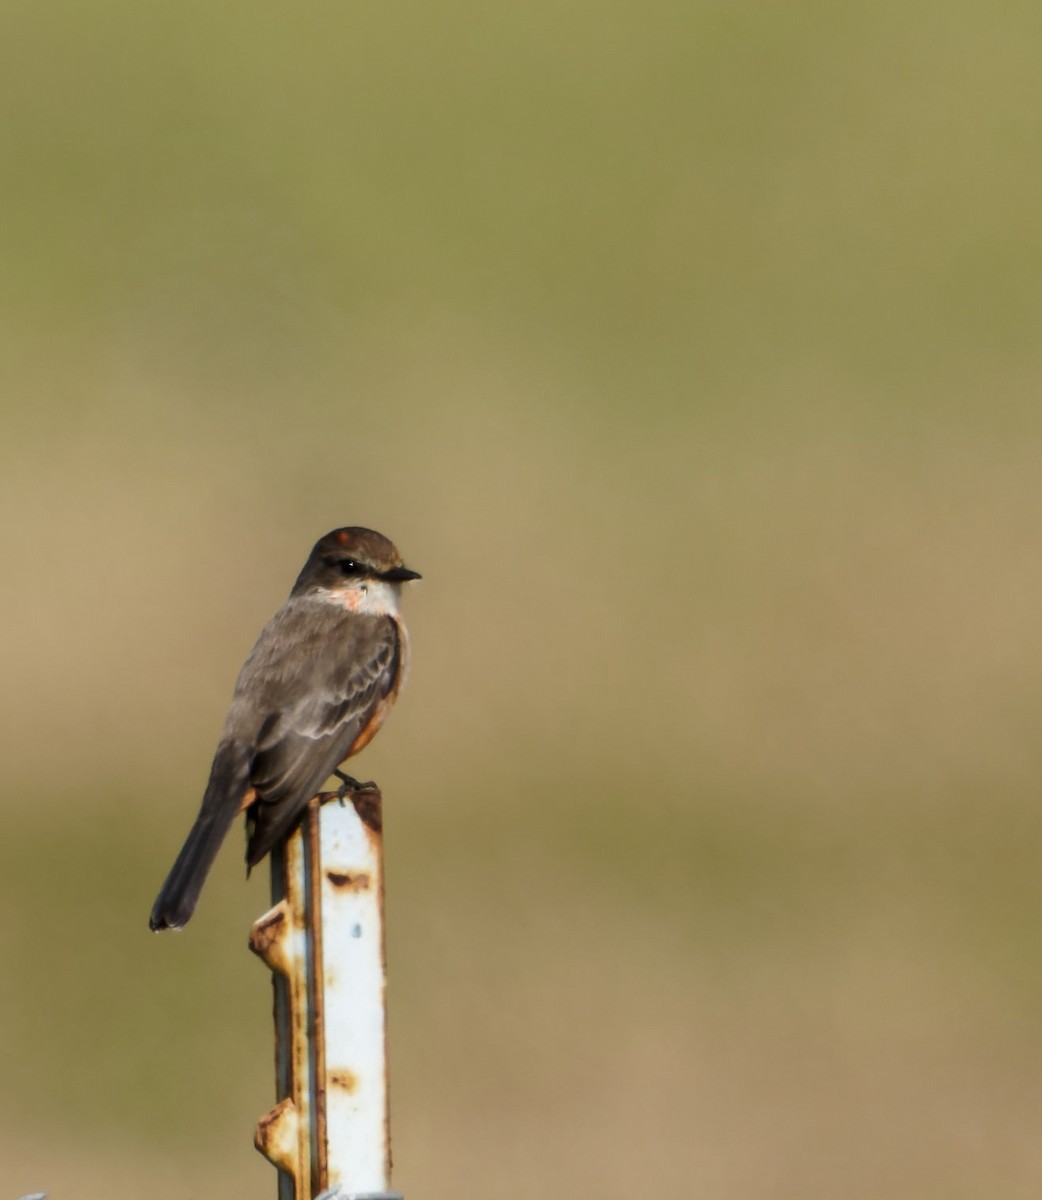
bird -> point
(315, 689)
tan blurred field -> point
(691, 352)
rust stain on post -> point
(266, 937)
(277, 1134)
(368, 804)
(346, 1080)
(352, 881)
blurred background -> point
(691, 351)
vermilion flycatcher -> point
(317, 686)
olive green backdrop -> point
(692, 352)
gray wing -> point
(305, 694)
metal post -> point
(324, 940)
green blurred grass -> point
(690, 353)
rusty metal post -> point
(328, 1134)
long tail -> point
(180, 893)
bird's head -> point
(357, 567)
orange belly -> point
(370, 729)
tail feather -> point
(180, 893)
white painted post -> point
(358, 1150)
(324, 939)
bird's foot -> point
(349, 784)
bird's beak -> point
(400, 575)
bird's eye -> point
(348, 566)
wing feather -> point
(302, 705)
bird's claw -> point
(349, 784)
